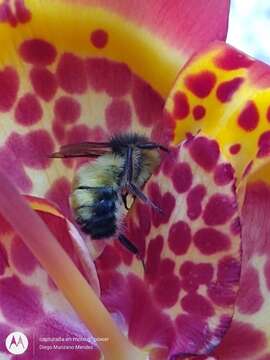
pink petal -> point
(248, 337)
(187, 26)
(191, 254)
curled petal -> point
(183, 302)
(40, 240)
(31, 302)
(69, 238)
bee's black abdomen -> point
(104, 207)
(102, 222)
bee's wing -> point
(85, 149)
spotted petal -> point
(225, 93)
(82, 70)
(183, 302)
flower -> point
(225, 94)
(50, 81)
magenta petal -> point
(184, 302)
(186, 25)
(248, 335)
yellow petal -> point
(226, 94)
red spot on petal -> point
(109, 259)
(250, 299)
(179, 238)
(197, 304)
(153, 258)
(15, 172)
(28, 110)
(226, 90)
(118, 81)
(9, 86)
(209, 241)
(71, 74)
(235, 148)
(219, 209)
(194, 201)
(166, 267)
(144, 216)
(38, 52)
(37, 145)
(249, 117)
(99, 38)
(182, 177)
(221, 294)
(204, 273)
(23, 260)
(77, 134)
(118, 116)
(148, 103)
(181, 105)
(67, 109)
(241, 342)
(201, 84)
(97, 73)
(198, 112)
(224, 174)
(3, 257)
(194, 275)
(205, 152)
(20, 303)
(112, 77)
(232, 59)
(166, 202)
(264, 144)
(59, 194)
(44, 83)
(167, 290)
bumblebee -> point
(100, 189)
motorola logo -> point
(16, 343)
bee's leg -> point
(132, 188)
(139, 194)
(131, 247)
(151, 146)
(129, 164)
(90, 188)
